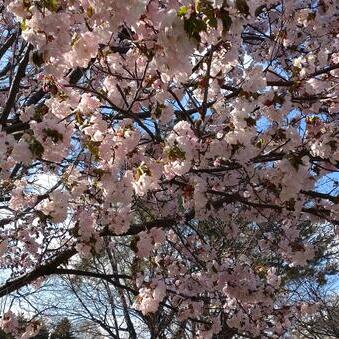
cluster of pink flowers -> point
(201, 128)
(10, 325)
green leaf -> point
(93, 147)
(226, 20)
(208, 10)
(242, 7)
(194, 26)
(182, 11)
(38, 58)
(23, 25)
(52, 5)
(40, 112)
(78, 118)
(142, 169)
(35, 147)
(213, 22)
(158, 110)
(260, 143)
(175, 153)
(53, 134)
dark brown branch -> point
(313, 194)
(280, 83)
(43, 270)
(324, 70)
(7, 44)
(111, 278)
(90, 274)
(15, 86)
(235, 197)
(51, 266)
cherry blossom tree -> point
(322, 323)
(194, 140)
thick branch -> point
(51, 266)
(7, 44)
(15, 86)
(43, 270)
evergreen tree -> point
(4, 335)
(63, 330)
(43, 332)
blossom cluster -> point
(202, 129)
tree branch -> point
(15, 86)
